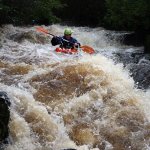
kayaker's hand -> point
(56, 37)
(76, 45)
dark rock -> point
(141, 73)
(139, 66)
(31, 36)
(135, 39)
(147, 44)
(129, 57)
(70, 149)
(4, 116)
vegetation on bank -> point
(118, 15)
(24, 12)
(130, 15)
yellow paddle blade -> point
(87, 49)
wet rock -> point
(139, 66)
(0, 44)
(141, 73)
(70, 149)
(134, 38)
(129, 57)
(4, 116)
(147, 44)
(29, 36)
(138, 38)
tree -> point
(44, 10)
(24, 11)
(128, 14)
(85, 12)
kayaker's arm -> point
(59, 40)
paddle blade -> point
(87, 49)
(41, 29)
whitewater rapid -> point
(60, 101)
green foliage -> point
(83, 12)
(24, 11)
(128, 14)
(114, 14)
(44, 10)
(3, 11)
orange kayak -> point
(84, 48)
(67, 51)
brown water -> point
(59, 101)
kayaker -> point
(66, 41)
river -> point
(62, 101)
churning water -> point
(60, 101)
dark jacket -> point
(63, 42)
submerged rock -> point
(29, 36)
(141, 73)
(139, 66)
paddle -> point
(41, 29)
(85, 48)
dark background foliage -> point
(129, 15)
(113, 14)
(83, 12)
(23, 12)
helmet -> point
(68, 31)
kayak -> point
(65, 50)
(84, 48)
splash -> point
(59, 101)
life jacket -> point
(63, 42)
(68, 43)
